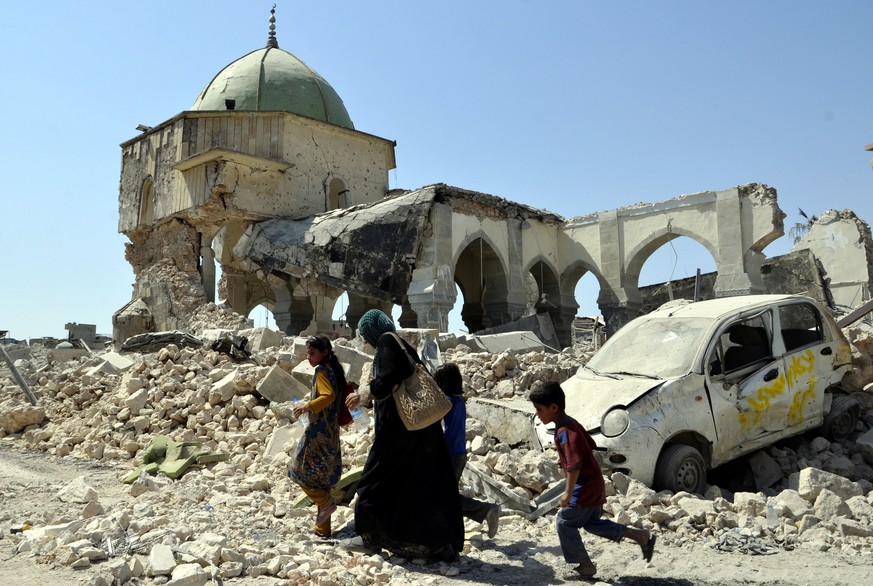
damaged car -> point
(692, 386)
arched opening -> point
(586, 293)
(262, 317)
(147, 202)
(482, 280)
(456, 322)
(588, 328)
(337, 195)
(670, 273)
(548, 290)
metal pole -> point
(17, 376)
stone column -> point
(562, 319)
(739, 267)
(431, 293)
(207, 267)
(237, 292)
(359, 305)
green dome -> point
(272, 79)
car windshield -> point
(654, 347)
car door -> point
(808, 356)
(748, 389)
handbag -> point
(420, 401)
(345, 416)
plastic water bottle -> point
(772, 519)
(303, 419)
(359, 418)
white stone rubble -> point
(235, 518)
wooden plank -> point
(856, 314)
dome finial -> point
(271, 38)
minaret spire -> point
(272, 43)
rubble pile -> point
(236, 517)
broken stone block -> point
(67, 354)
(188, 575)
(18, 418)
(852, 527)
(864, 445)
(137, 401)
(117, 361)
(92, 509)
(206, 547)
(161, 560)
(224, 389)
(795, 505)
(280, 386)
(121, 572)
(262, 338)
(765, 470)
(515, 342)
(354, 361)
(809, 482)
(698, 509)
(508, 421)
(281, 438)
(78, 490)
(829, 505)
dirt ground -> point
(523, 552)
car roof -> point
(717, 308)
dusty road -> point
(523, 552)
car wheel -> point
(841, 419)
(679, 468)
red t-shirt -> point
(576, 452)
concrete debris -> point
(232, 518)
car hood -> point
(589, 396)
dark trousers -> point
(470, 507)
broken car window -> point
(801, 325)
(741, 345)
(655, 347)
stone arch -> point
(637, 257)
(546, 276)
(146, 214)
(481, 275)
(569, 305)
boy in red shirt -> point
(582, 501)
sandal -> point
(325, 513)
(584, 571)
(648, 548)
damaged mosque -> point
(267, 176)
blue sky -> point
(569, 105)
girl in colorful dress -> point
(317, 465)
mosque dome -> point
(270, 80)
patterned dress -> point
(318, 462)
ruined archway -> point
(481, 277)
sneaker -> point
(493, 520)
(325, 513)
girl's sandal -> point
(648, 548)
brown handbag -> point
(420, 401)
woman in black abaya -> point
(408, 499)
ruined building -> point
(267, 176)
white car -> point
(692, 386)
